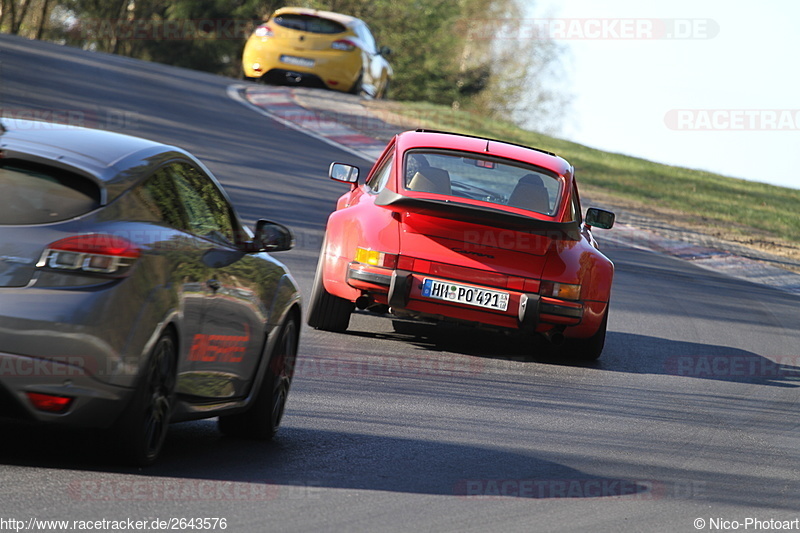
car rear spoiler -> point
(479, 214)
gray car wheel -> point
(142, 428)
(262, 419)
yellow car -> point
(302, 46)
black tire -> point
(326, 311)
(263, 418)
(142, 428)
(588, 349)
(358, 86)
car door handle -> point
(213, 284)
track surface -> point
(686, 416)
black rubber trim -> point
(472, 213)
(399, 288)
(550, 309)
(281, 76)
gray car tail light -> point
(93, 253)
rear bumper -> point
(94, 403)
(335, 70)
(103, 331)
(402, 290)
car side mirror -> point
(600, 218)
(272, 237)
(343, 173)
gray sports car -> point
(131, 295)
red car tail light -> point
(95, 253)
(50, 403)
(564, 291)
(344, 45)
(263, 31)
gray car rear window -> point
(38, 194)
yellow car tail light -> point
(376, 258)
(344, 45)
(264, 31)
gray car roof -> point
(113, 160)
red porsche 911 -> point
(449, 227)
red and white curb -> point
(707, 257)
(279, 104)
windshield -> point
(486, 179)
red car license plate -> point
(453, 292)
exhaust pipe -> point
(556, 338)
(363, 301)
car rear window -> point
(309, 23)
(38, 194)
(487, 179)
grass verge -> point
(754, 214)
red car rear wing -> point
(479, 214)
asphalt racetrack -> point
(689, 419)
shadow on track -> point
(624, 352)
(302, 461)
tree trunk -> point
(3, 11)
(42, 19)
(18, 16)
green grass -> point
(739, 206)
